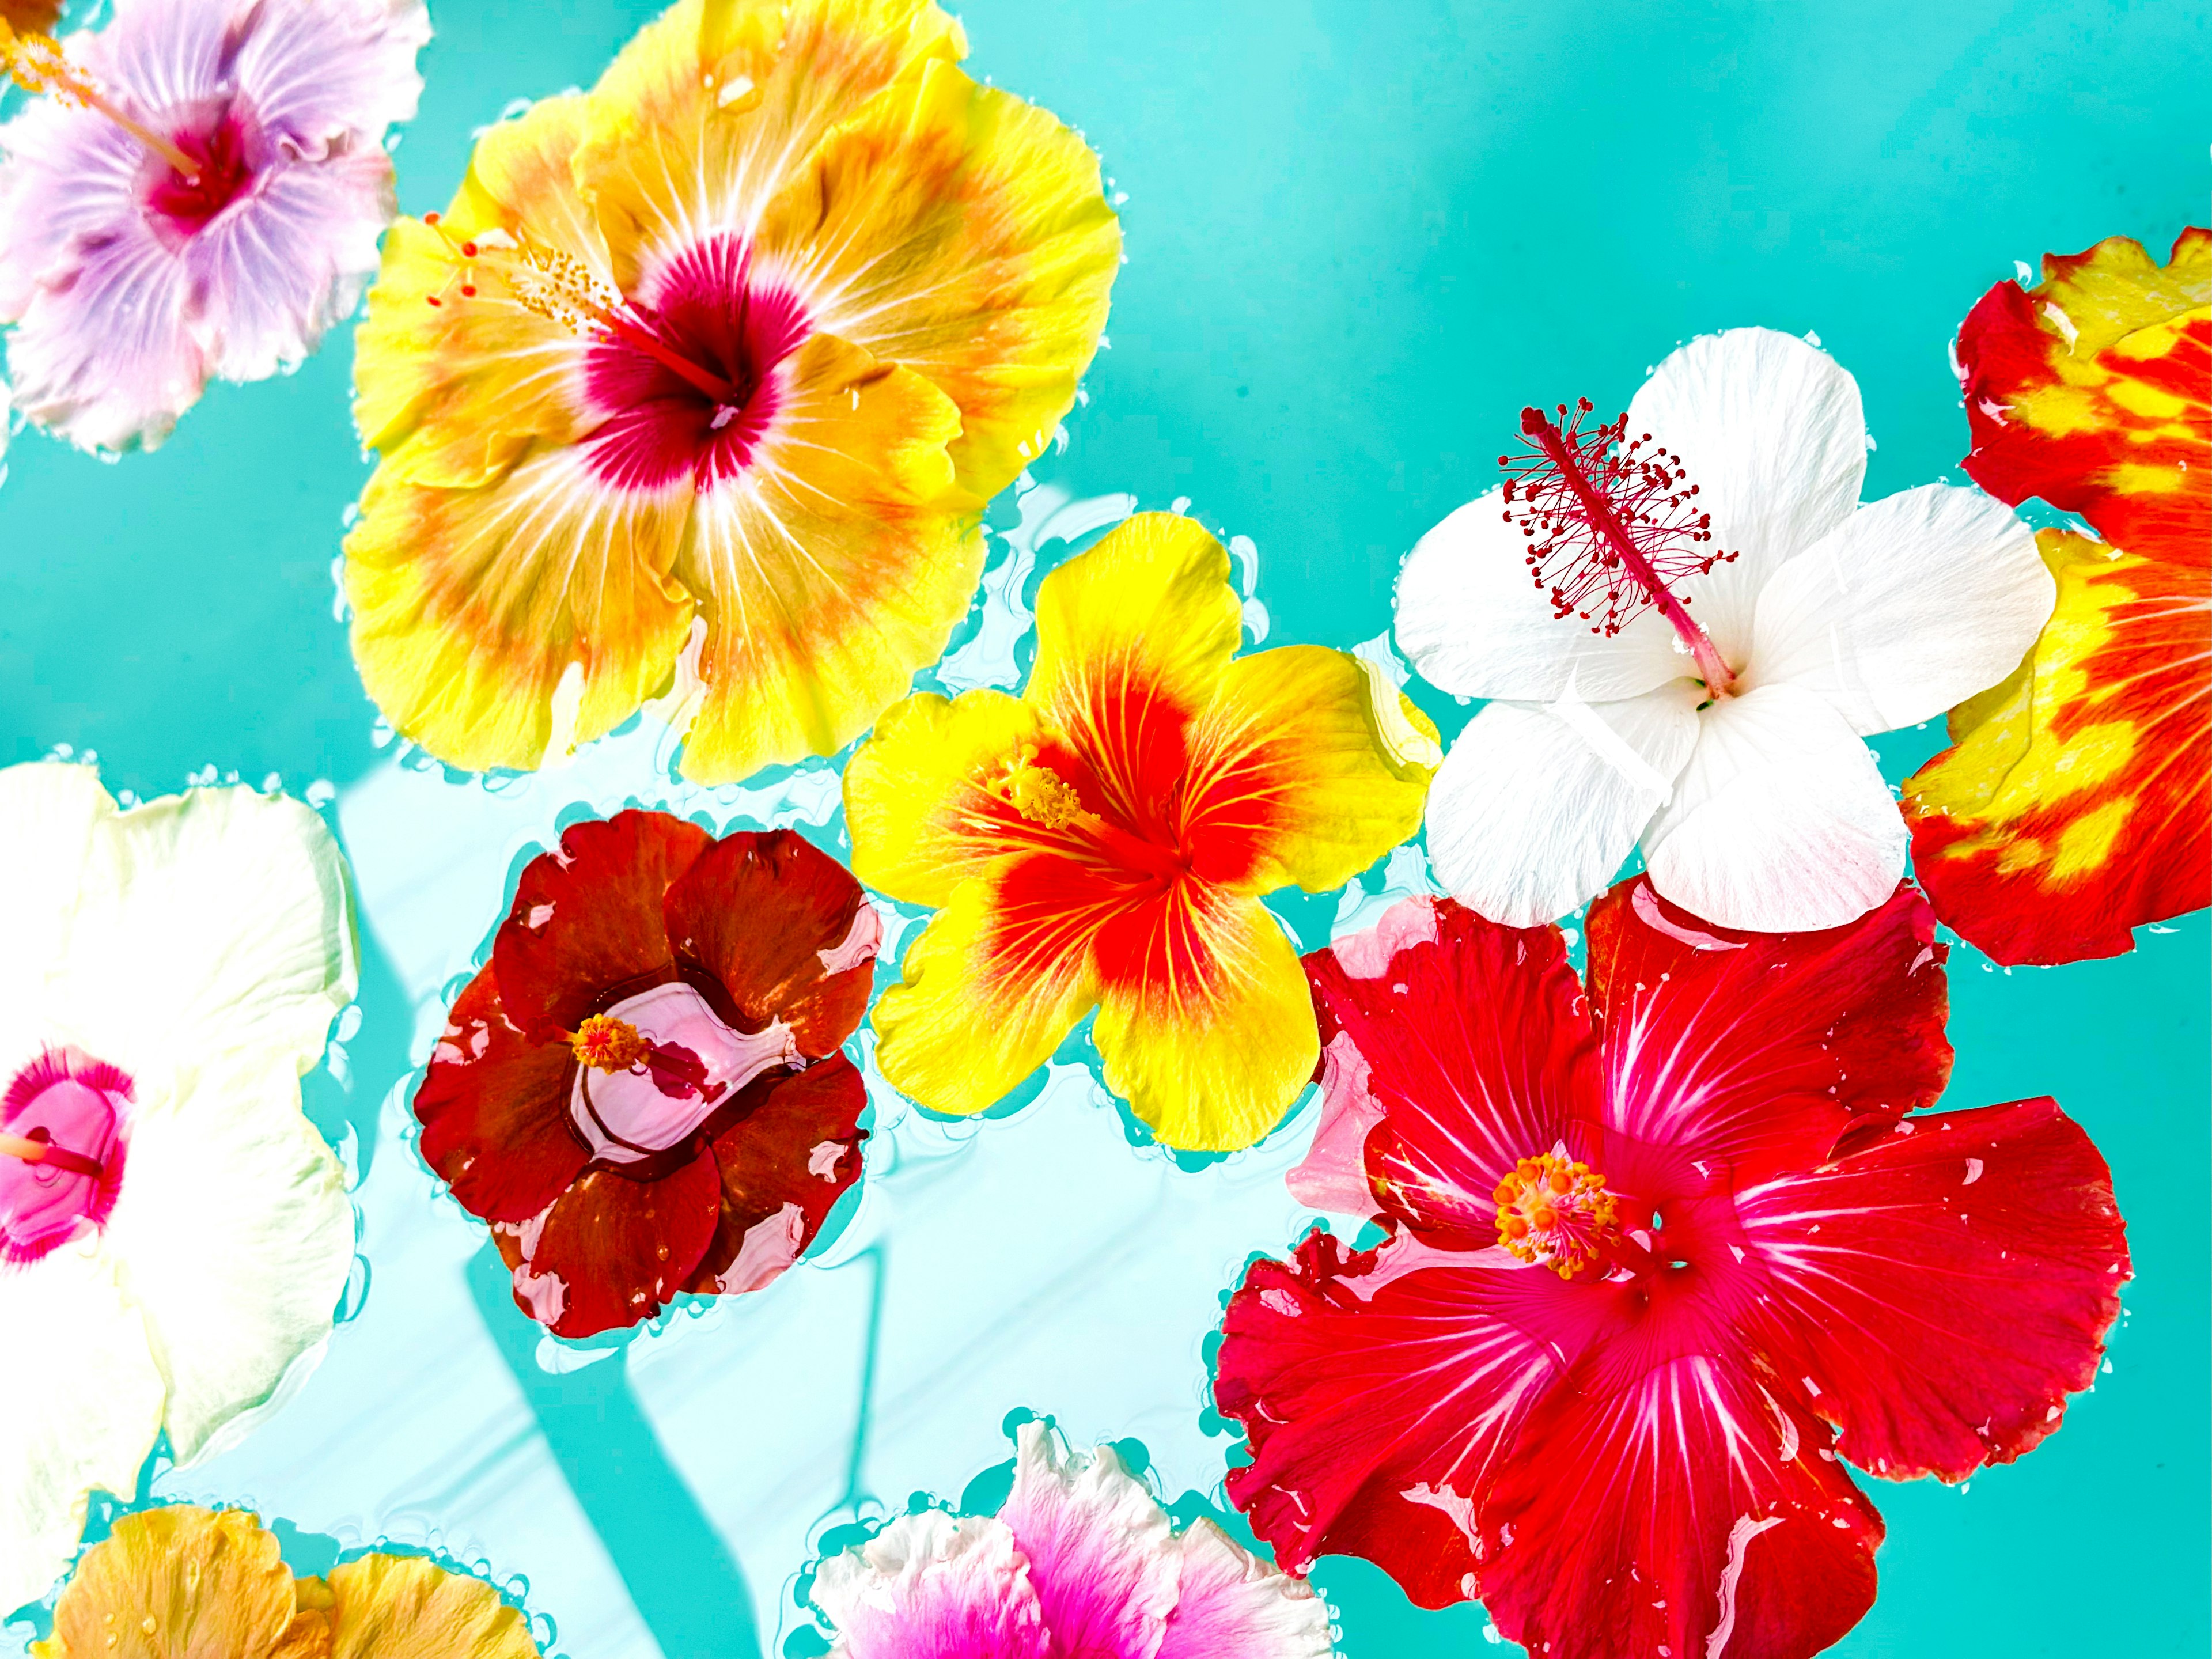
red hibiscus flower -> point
(641, 1091)
(1659, 1254)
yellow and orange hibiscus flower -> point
(718, 362)
(1102, 841)
(178, 1583)
(2077, 801)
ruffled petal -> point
(1945, 1282)
(1770, 431)
(612, 1251)
(932, 1586)
(1471, 621)
(1911, 604)
(1228, 1601)
(1537, 806)
(172, 1582)
(1780, 820)
(1472, 1048)
(494, 1107)
(1101, 1551)
(50, 816)
(321, 73)
(1205, 1022)
(783, 1166)
(1848, 1029)
(391, 1607)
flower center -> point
(221, 169)
(1040, 796)
(655, 1067)
(62, 1146)
(1611, 526)
(1554, 1213)
(197, 172)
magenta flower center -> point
(662, 1063)
(185, 200)
(62, 1144)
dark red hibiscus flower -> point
(641, 1091)
(1659, 1256)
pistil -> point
(39, 65)
(1555, 1213)
(1042, 797)
(37, 1149)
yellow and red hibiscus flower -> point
(718, 363)
(1102, 841)
(2076, 803)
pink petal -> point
(931, 1586)
(1231, 1602)
(1101, 1550)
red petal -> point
(1477, 1050)
(786, 931)
(1945, 1283)
(796, 1149)
(1377, 1391)
(588, 918)
(494, 1111)
(1761, 1048)
(613, 1251)
(1690, 1513)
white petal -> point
(932, 1583)
(1911, 605)
(1536, 806)
(50, 817)
(80, 1401)
(1770, 431)
(234, 1235)
(1473, 624)
(1780, 822)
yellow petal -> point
(963, 233)
(391, 1606)
(185, 1583)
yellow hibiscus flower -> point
(1102, 841)
(717, 362)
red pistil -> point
(1611, 528)
(36, 1148)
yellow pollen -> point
(40, 66)
(1554, 1213)
(1038, 793)
(608, 1044)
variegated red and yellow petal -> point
(2091, 390)
(831, 568)
(1307, 767)
(716, 106)
(491, 624)
(2077, 801)
(959, 231)
(1206, 1023)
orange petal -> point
(391, 1606)
(176, 1584)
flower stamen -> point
(1555, 1213)
(40, 66)
(37, 1148)
(607, 1044)
(1042, 797)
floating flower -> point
(1713, 626)
(1101, 842)
(174, 1236)
(2078, 802)
(720, 361)
(1658, 1253)
(194, 1583)
(1080, 1559)
(641, 1091)
(198, 194)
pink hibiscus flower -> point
(1080, 1561)
(200, 194)
(1659, 1254)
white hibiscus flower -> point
(1722, 723)
(174, 1234)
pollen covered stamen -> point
(1554, 1213)
(38, 64)
(1612, 524)
(1040, 794)
(607, 1044)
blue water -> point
(1360, 236)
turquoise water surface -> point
(1360, 236)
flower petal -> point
(1913, 604)
(1471, 621)
(786, 1161)
(934, 1586)
(494, 1107)
(612, 1251)
(318, 73)
(1473, 1044)
(187, 1580)
(1780, 821)
(52, 813)
(1770, 431)
(1101, 1551)
(82, 1401)
(1946, 1281)
(1537, 806)
(1850, 1029)
(385, 1605)
(1205, 1022)
(1228, 1600)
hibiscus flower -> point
(1101, 840)
(198, 194)
(2078, 802)
(720, 361)
(182, 1582)
(1080, 1559)
(641, 1089)
(1659, 1252)
(1690, 625)
(174, 1236)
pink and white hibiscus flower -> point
(174, 1234)
(198, 194)
(1081, 1559)
(1688, 625)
